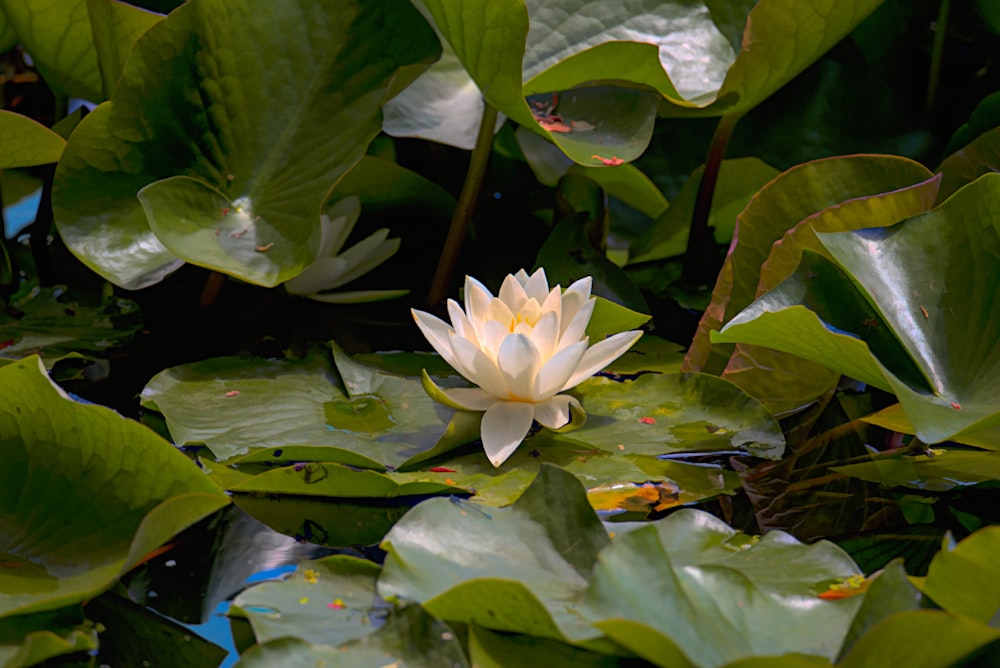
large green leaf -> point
(920, 639)
(916, 316)
(84, 493)
(234, 152)
(60, 41)
(29, 640)
(964, 579)
(507, 569)
(825, 195)
(116, 27)
(978, 157)
(25, 143)
(291, 411)
(670, 591)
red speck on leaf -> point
(957, 406)
(6, 344)
(336, 605)
(647, 420)
(613, 161)
(924, 311)
(441, 469)
(233, 393)
(225, 212)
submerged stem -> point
(466, 206)
(701, 261)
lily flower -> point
(333, 268)
(521, 348)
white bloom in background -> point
(333, 268)
(522, 349)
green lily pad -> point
(495, 650)
(774, 210)
(25, 142)
(410, 637)
(29, 640)
(889, 593)
(84, 493)
(964, 580)
(116, 27)
(59, 38)
(759, 595)
(55, 322)
(257, 171)
(980, 156)
(667, 413)
(327, 602)
(920, 639)
(506, 569)
(237, 406)
(915, 316)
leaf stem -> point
(937, 54)
(701, 261)
(467, 201)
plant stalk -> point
(937, 54)
(701, 260)
(467, 201)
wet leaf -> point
(173, 131)
(84, 493)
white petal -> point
(555, 413)
(537, 286)
(367, 254)
(472, 363)
(477, 299)
(438, 334)
(470, 398)
(499, 312)
(545, 334)
(574, 329)
(504, 427)
(512, 293)
(576, 296)
(521, 276)
(600, 355)
(461, 323)
(493, 335)
(519, 363)
(553, 302)
(553, 375)
(317, 276)
(336, 225)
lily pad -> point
(657, 414)
(207, 165)
(25, 142)
(963, 578)
(108, 488)
(941, 470)
(374, 420)
(506, 569)
(719, 584)
(327, 602)
(924, 282)
(29, 640)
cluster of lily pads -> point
(529, 511)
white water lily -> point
(333, 268)
(522, 348)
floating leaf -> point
(719, 584)
(289, 411)
(109, 488)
